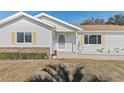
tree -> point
(88, 21)
(93, 21)
(116, 20)
(99, 21)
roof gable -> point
(20, 14)
(58, 20)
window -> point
(24, 37)
(20, 37)
(92, 39)
(28, 37)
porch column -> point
(76, 43)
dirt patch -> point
(20, 70)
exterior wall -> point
(43, 36)
(113, 41)
(90, 48)
(70, 42)
(70, 39)
(59, 26)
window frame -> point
(97, 39)
(24, 39)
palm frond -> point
(63, 73)
(39, 78)
(94, 78)
(54, 67)
(78, 75)
(53, 74)
(49, 72)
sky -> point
(74, 17)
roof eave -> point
(19, 14)
(43, 14)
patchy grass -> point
(20, 70)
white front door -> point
(61, 42)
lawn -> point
(21, 70)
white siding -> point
(59, 26)
(90, 48)
(62, 29)
(69, 42)
(113, 40)
(43, 34)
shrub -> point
(58, 73)
(61, 73)
(23, 55)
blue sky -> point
(69, 16)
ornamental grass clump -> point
(62, 73)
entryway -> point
(61, 42)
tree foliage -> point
(116, 20)
(113, 20)
(93, 21)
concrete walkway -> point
(99, 57)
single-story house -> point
(26, 33)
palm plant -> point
(61, 73)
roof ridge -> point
(59, 20)
(18, 14)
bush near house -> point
(23, 55)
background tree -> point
(99, 21)
(93, 21)
(116, 20)
(88, 21)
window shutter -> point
(13, 37)
(81, 40)
(34, 38)
(103, 40)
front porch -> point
(64, 42)
(67, 55)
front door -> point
(61, 42)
